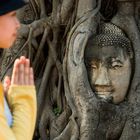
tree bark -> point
(54, 34)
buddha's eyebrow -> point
(93, 61)
(91, 58)
(116, 59)
(112, 59)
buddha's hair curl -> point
(111, 35)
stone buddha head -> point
(108, 59)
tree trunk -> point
(54, 35)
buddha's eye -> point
(91, 65)
(116, 65)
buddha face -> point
(109, 71)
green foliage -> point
(57, 111)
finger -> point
(27, 72)
(7, 80)
(31, 77)
(21, 80)
(6, 84)
(23, 59)
(14, 79)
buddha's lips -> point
(104, 89)
(104, 93)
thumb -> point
(6, 84)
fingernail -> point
(22, 57)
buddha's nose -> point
(103, 77)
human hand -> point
(6, 84)
(22, 74)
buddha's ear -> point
(131, 53)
